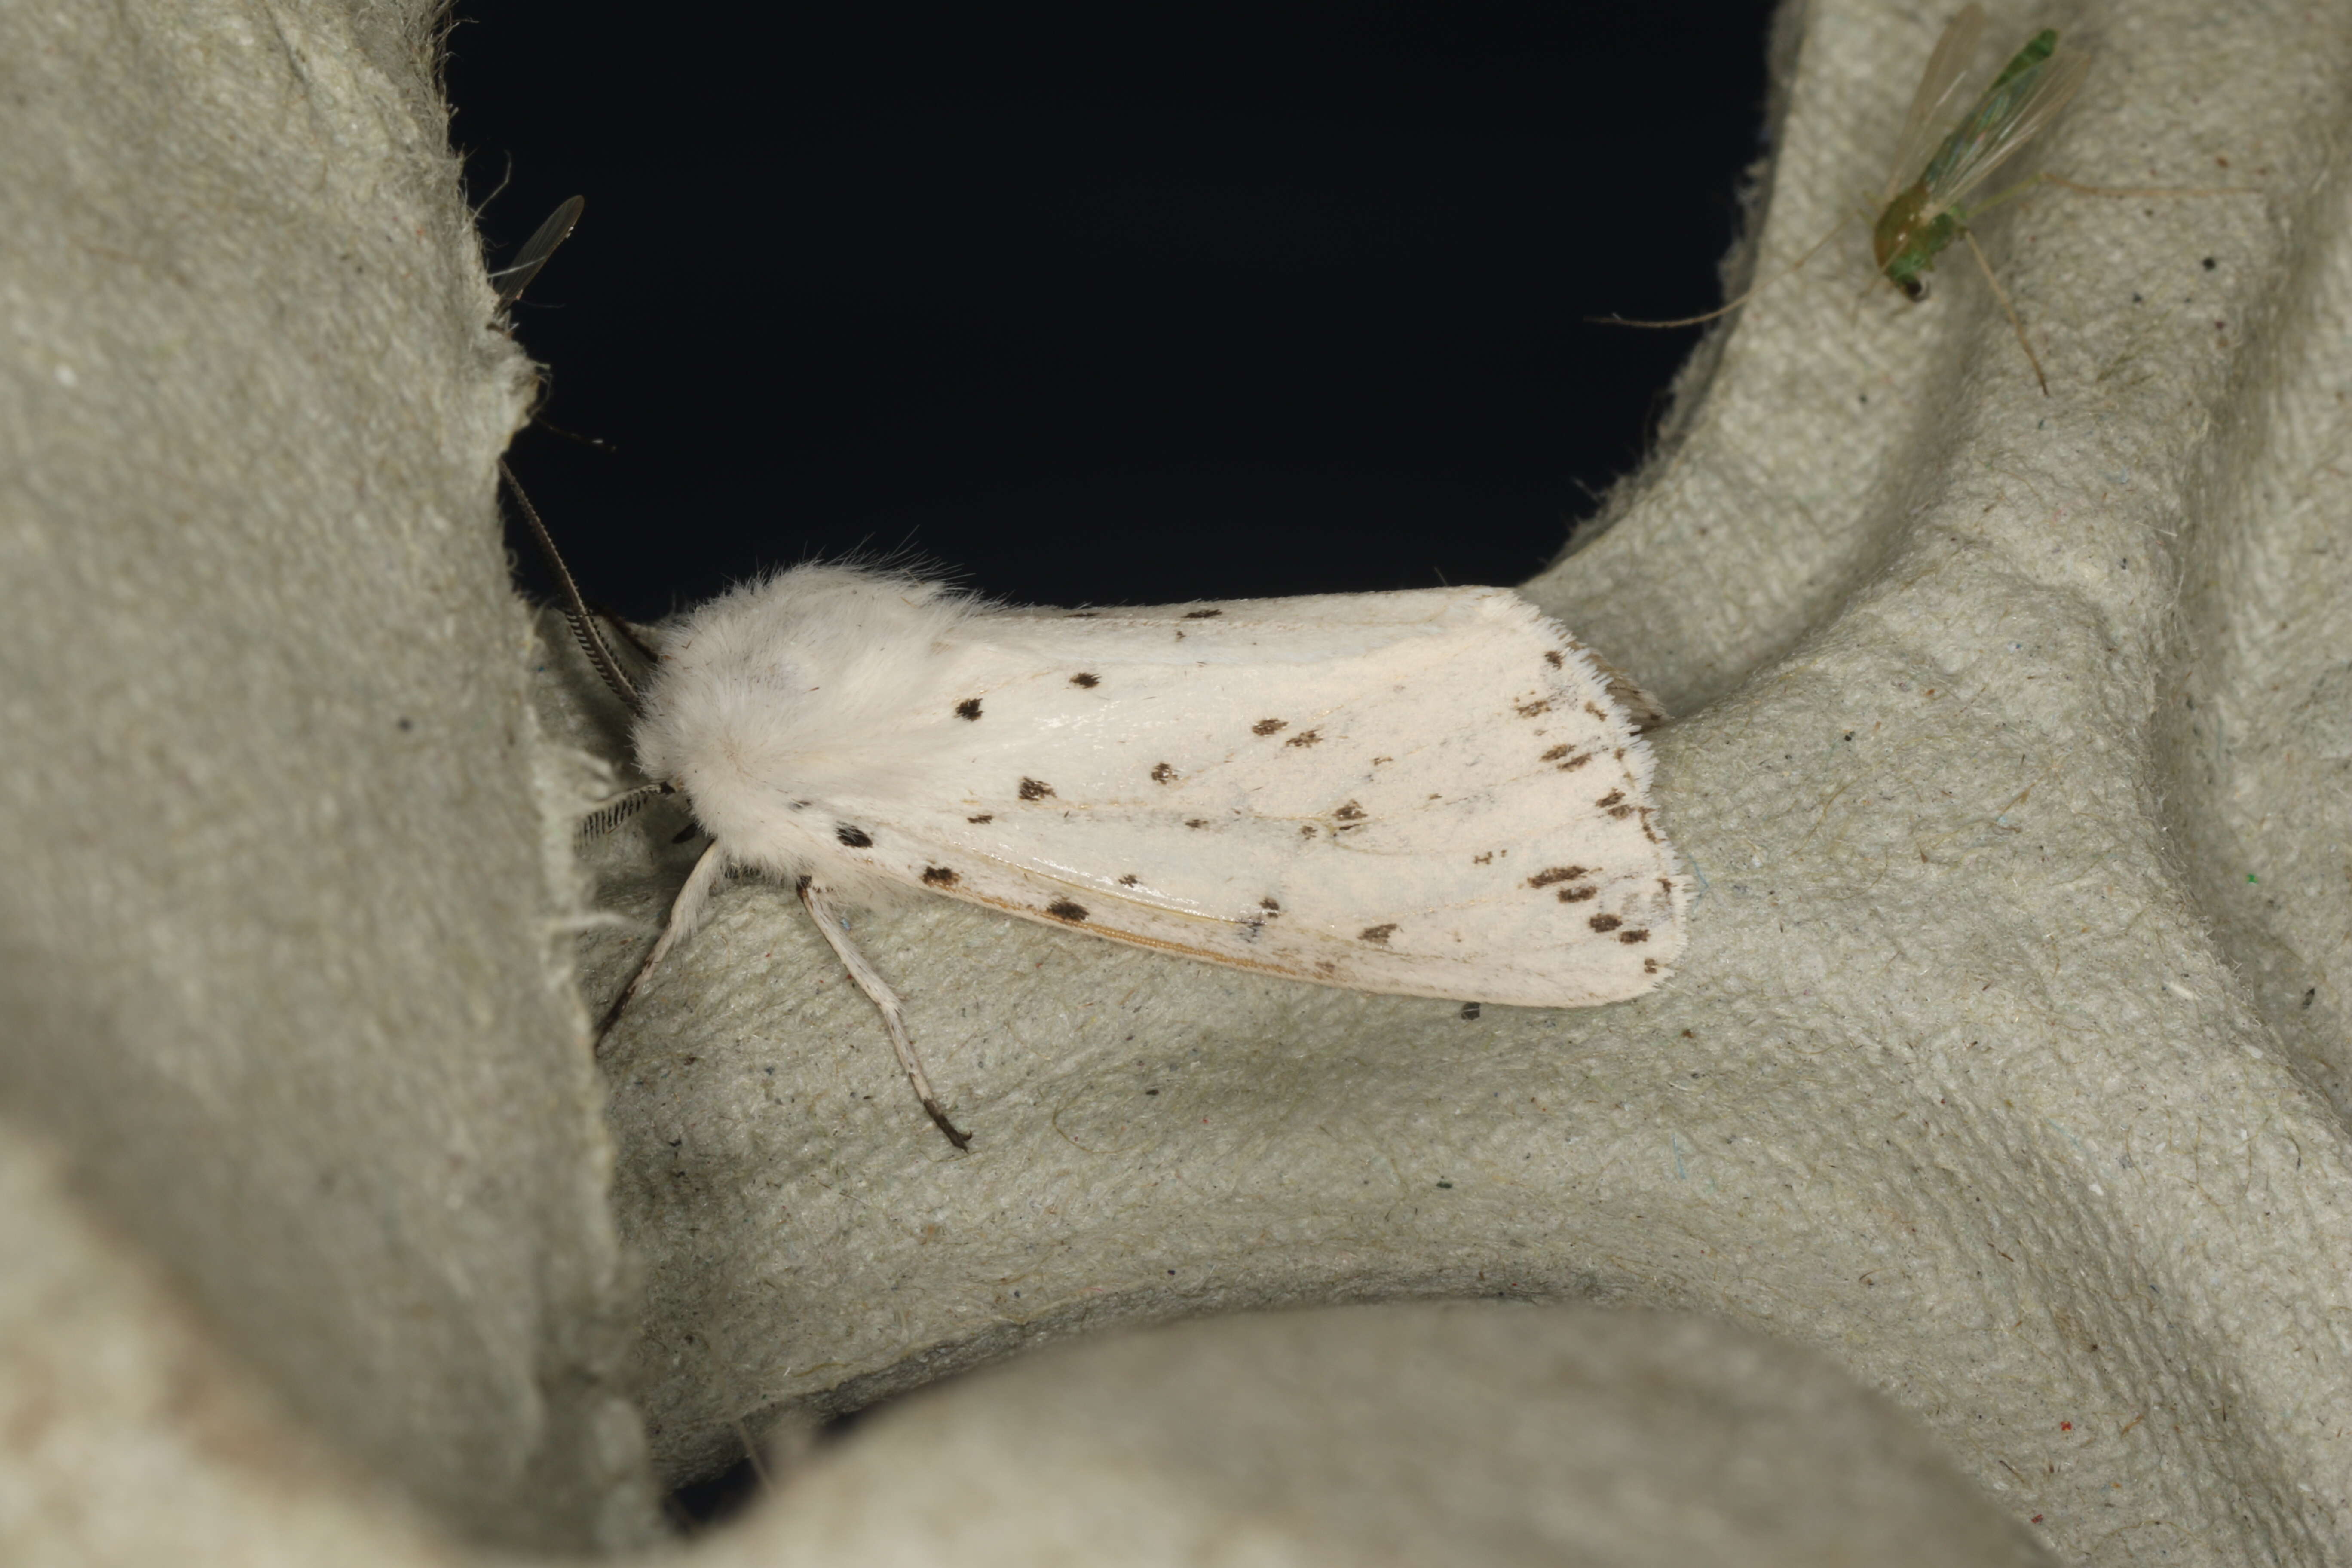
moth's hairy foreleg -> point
(886, 1000)
(687, 914)
(626, 632)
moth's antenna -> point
(575, 609)
(617, 811)
(513, 280)
(614, 619)
(516, 276)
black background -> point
(1105, 304)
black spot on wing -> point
(1351, 812)
(1196, 822)
(968, 708)
(856, 837)
(1470, 1011)
(1305, 737)
(1637, 935)
(1529, 709)
(1269, 726)
(1083, 678)
(1031, 789)
(1376, 935)
(984, 816)
(1203, 615)
(1604, 922)
(939, 876)
(1612, 798)
(1064, 909)
(1551, 874)
(1130, 881)
(1270, 904)
(1578, 895)
(1553, 658)
(1161, 773)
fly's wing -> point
(1428, 794)
(2004, 122)
(1933, 102)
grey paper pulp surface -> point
(281, 952)
(130, 1438)
(2005, 1071)
(1469, 1434)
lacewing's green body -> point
(1921, 220)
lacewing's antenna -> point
(1725, 309)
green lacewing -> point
(1918, 218)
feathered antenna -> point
(512, 280)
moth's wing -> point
(1932, 104)
(1998, 129)
(1428, 794)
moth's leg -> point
(619, 809)
(878, 992)
(2008, 309)
(687, 914)
(628, 634)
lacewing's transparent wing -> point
(2026, 97)
(516, 276)
(1932, 104)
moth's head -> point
(786, 705)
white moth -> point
(1428, 794)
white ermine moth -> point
(1428, 794)
(1436, 793)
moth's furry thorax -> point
(800, 687)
